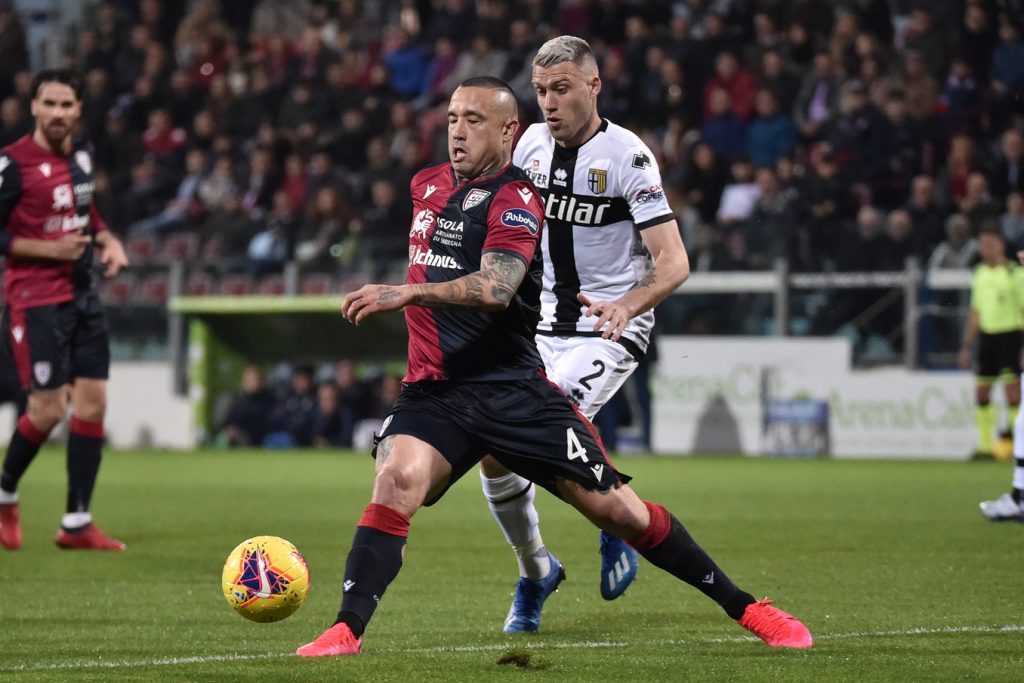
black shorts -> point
(51, 346)
(999, 354)
(529, 426)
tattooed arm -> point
(671, 268)
(491, 289)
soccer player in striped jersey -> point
(606, 217)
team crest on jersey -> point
(83, 160)
(474, 198)
(63, 198)
(41, 370)
(597, 180)
(421, 224)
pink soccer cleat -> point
(775, 627)
(89, 538)
(337, 640)
(10, 526)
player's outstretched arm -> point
(491, 289)
(671, 268)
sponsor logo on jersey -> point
(430, 190)
(577, 210)
(419, 257)
(421, 224)
(448, 225)
(83, 160)
(597, 180)
(520, 218)
(538, 179)
(63, 198)
(71, 223)
(45, 169)
(650, 194)
(560, 176)
(641, 160)
(41, 369)
(474, 198)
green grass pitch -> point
(889, 564)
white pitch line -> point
(497, 647)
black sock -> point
(373, 563)
(680, 556)
(24, 447)
(85, 450)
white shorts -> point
(588, 369)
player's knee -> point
(392, 487)
(47, 409)
(92, 411)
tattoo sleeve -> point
(649, 279)
(491, 287)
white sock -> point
(1018, 474)
(75, 520)
(510, 498)
(6, 498)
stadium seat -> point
(117, 291)
(141, 249)
(236, 285)
(153, 291)
(183, 246)
(210, 251)
(271, 285)
(316, 284)
(199, 284)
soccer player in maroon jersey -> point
(475, 383)
(54, 326)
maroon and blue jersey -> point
(454, 225)
(44, 195)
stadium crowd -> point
(845, 135)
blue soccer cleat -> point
(619, 563)
(524, 615)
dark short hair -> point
(67, 77)
(488, 82)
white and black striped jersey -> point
(598, 197)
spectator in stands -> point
(703, 182)
(481, 58)
(408, 63)
(258, 189)
(294, 184)
(383, 232)
(1008, 172)
(769, 232)
(13, 121)
(963, 98)
(922, 37)
(228, 230)
(722, 129)
(961, 162)
(218, 183)
(902, 240)
(825, 201)
(249, 414)
(770, 136)
(780, 80)
(977, 36)
(184, 210)
(855, 134)
(902, 145)
(921, 88)
(817, 98)
(333, 425)
(271, 247)
(926, 215)
(977, 204)
(960, 249)
(1007, 75)
(740, 194)
(737, 81)
(354, 396)
(325, 230)
(1012, 221)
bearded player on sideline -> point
(606, 215)
(54, 326)
(476, 385)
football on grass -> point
(265, 579)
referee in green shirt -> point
(996, 320)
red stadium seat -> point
(180, 247)
(117, 291)
(199, 284)
(153, 291)
(141, 249)
(271, 285)
(236, 285)
(316, 284)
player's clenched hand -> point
(113, 257)
(69, 247)
(370, 299)
(612, 317)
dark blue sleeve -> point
(10, 191)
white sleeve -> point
(641, 187)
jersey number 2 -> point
(585, 379)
